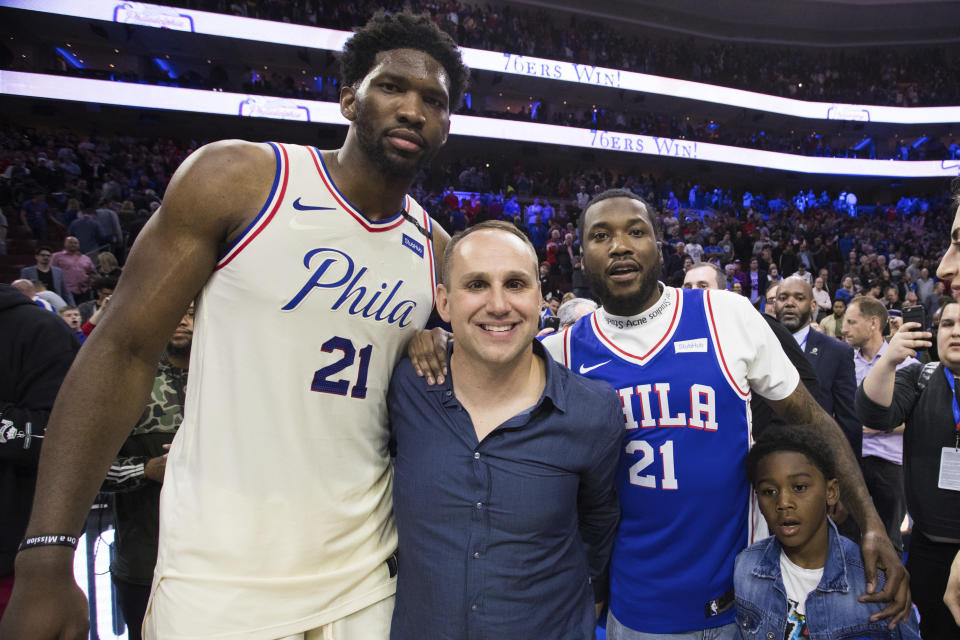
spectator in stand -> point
(109, 223)
(821, 298)
(36, 350)
(757, 282)
(832, 325)
(882, 452)
(891, 298)
(56, 301)
(923, 397)
(831, 359)
(26, 288)
(87, 232)
(934, 301)
(846, 292)
(71, 315)
(547, 212)
(574, 309)
(35, 214)
(50, 276)
(77, 268)
(103, 288)
(803, 274)
(923, 285)
(107, 265)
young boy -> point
(803, 581)
(71, 315)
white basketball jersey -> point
(276, 510)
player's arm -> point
(844, 391)
(428, 349)
(800, 408)
(211, 198)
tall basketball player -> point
(311, 269)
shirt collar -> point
(883, 347)
(554, 387)
(800, 335)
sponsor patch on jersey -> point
(413, 245)
(699, 345)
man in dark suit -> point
(50, 276)
(831, 359)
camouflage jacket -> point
(156, 427)
(137, 499)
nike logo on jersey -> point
(307, 207)
(585, 370)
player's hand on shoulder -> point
(428, 354)
(878, 553)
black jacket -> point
(36, 349)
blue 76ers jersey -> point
(683, 491)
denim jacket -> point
(832, 610)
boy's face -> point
(794, 498)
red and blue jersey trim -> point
(428, 225)
(716, 342)
(642, 359)
(373, 226)
(277, 192)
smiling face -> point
(491, 297)
(794, 498)
(400, 111)
(621, 257)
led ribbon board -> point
(216, 24)
(36, 85)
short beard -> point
(372, 145)
(802, 321)
(629, 305)
(179, 350)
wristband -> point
(55, 540)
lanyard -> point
(951, 380)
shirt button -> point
(473, 607)
(448, 393)
(476, 555)
(479, 505)
(771, 635)
(476, 455)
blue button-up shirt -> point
(502, 538)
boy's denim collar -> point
(834, 570)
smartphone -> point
(915, 313)
(551, 322)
